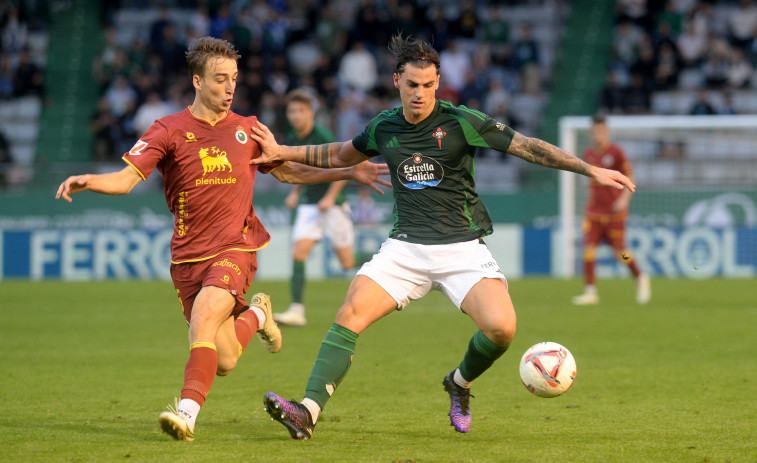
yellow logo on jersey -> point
(190, 137)
(213, 163)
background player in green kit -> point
(437, 238)
(320, 208)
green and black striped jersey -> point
(311, 194)
(432, 170)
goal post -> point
(694, 213)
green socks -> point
(331, 365)
(297, 284)
(480, 356)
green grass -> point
(87, 368)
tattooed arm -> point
(329, 155)
(540, 152)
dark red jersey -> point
(601, 197)
(208, 182)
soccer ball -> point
(547, 369)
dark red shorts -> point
(611, 231)
(231, 270)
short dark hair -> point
(599, 118)
(205, 48)
(299, 95)
(410, 50)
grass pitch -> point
(87, 368)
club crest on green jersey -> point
(419, 171)
(439, 134)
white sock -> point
(459, 380)
(590, 289)
(189, 409)
(313, 408)
(260, 314)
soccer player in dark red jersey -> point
(605, 215)
(204, 153)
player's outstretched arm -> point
(114, 183)
(328, 155)
(540, 152)
(366, 172)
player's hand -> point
(268, 146)
(368, 173)
(292, 199)
(326, 203)
(71, 185)
(611, 178)
(621, 204)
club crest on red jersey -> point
(241, 135)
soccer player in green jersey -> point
(320, 209)
(437, 239)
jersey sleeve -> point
(482, 130)
(149, 150)
(365, 142)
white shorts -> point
(334, 223)
(408, 271)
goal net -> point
(694, 213)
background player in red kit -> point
(605, 215)
(204, 155)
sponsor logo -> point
(419, 172)
(190, 137)
(181, 226)
(136, 150)
(439, 134)
(500, 126)
(240, 135)
(229, 264)
(393, 143)
(212, 163)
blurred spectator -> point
(455, 61)
(742, 24)
(496, 96)
(668, 68)
(14, 32)
(156, 28)
(740, 70)
(439, 28)
(716, 63)
(467, 23)
(472, 89)
(626, 42)
(28, 79)
(637, 96)
(702, 105)
(106, 132)
(691, 46)
(6, 77)
(120, 95)
(525, 49)
(728, 107)
(673, 18)
(151, 110)
(613, 96)
(357, 69)
(221, 22)
(646, 64)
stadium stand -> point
(23, 53)
(634, 57)
(510, 50)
